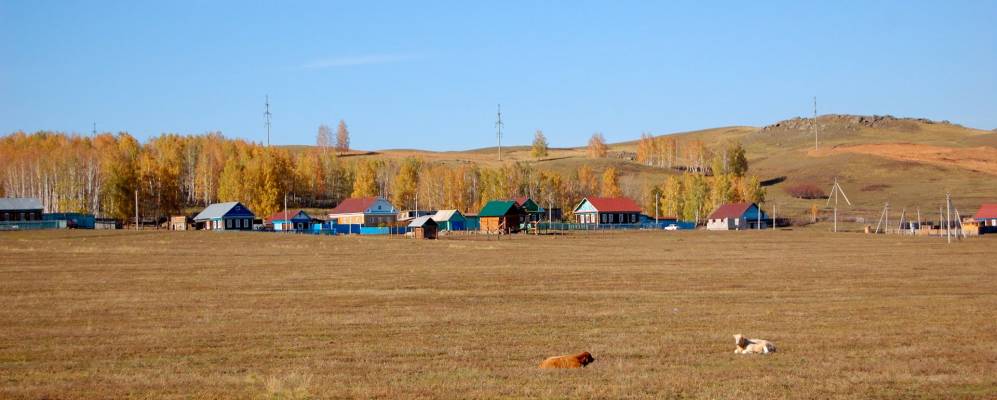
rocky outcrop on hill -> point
(853, 122)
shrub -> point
(806, 190)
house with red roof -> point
(987, 215)
(607, 211)
(986, 218)
(291, 220)
(737, 216)
(365, 211)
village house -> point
(450, 220)
(292, 220)
(501, 216)
(20, 209)
(365, 211)
(533, 210)
(737, 216)
(607, 211)
(226, 216)
(424, 227)
(986, 217)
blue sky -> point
(430, 74)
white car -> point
(672, 227)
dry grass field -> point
(251, 315)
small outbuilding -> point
(737, 216)
(501, 216)
(424, 227)
(226, 216)
(450, 220)
(181, 223)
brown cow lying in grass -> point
(752, 346)
(570, 361)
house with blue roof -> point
(226, 217)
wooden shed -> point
(181, 223)
(501, 216)
(424, 227)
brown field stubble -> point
(252, 315)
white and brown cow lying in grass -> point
(752, 346)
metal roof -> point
(497, 208)
(987, 211)
(291, 214)
(354, 205)
(732, 210)
(613, 204)
(528, 204)
(445, 215)
(20, 203)
(422, 221)
(217, 210)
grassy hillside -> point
(909, 162)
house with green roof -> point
(533, 210)
(501, 216)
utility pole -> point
(266, 118)
(815, 122)
(657, 200)
(498, 131)
(136, 209)
(948, 217)
(773, 216)
(94, 132)
(835, 190)
(285, 212)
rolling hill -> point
(911, 163)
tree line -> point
(173, 174)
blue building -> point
(292, 220)
(450, 220)
(226, 216)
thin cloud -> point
(369, 59)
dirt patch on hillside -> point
(979, 159)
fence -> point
(32, 225)
(563, 226)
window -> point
(228, 224)
(249, 223)
(604, 218)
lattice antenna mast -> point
(815, 122)
(498, 131)
(835, 191)
(266, 118)
(94, 129)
